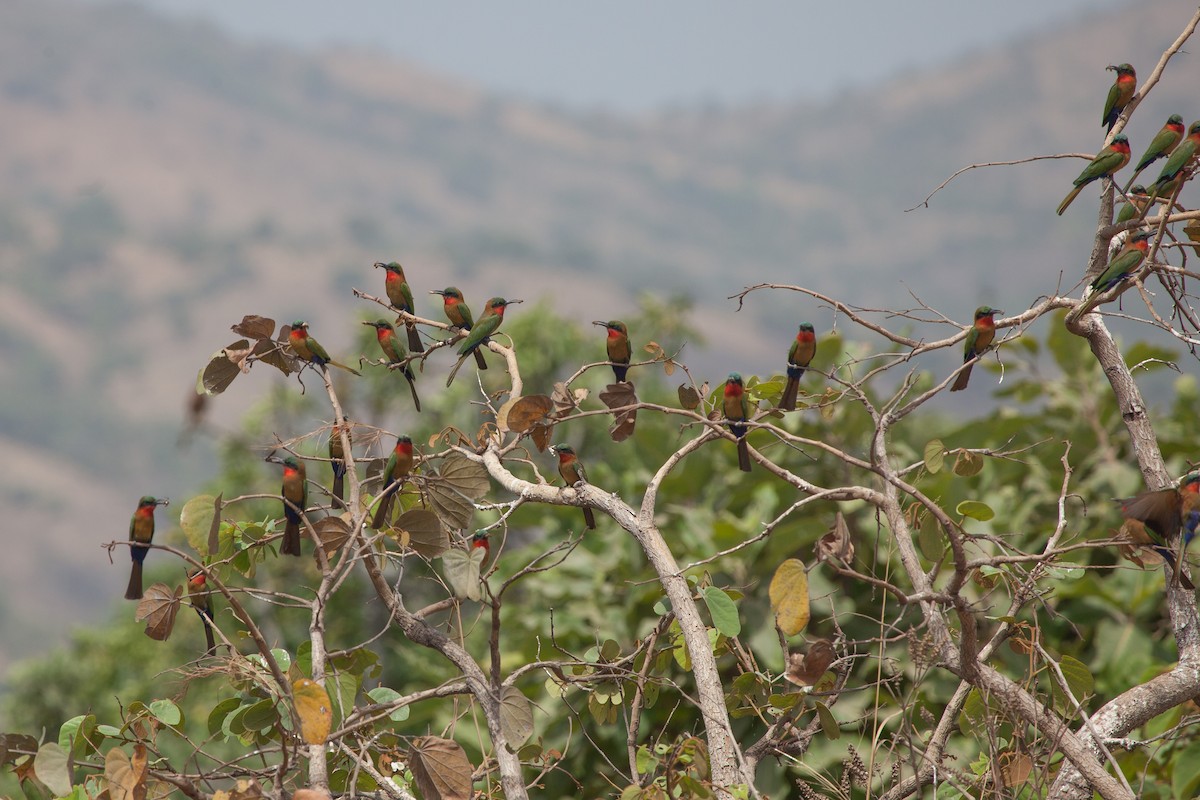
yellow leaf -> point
(314, 709)
(789, 596)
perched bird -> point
(141, 531)
(617, 345)
(1119, 94)
(979, 339)
(393, 350)
(295, 500)
(395, 473)
(1180, 157)
(737, 411)
(1124, 263)
(400, 296)
(489, 321)
(1107, 161)
(309, 349)
(459, 314)
(337, 460)
(480, 542)
(1160, 146)
(572, 472)
(201, 599)
(1166, 514)
(800, 355)
(1135, 206)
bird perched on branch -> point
(1180, 158)
(1160, 146)
(395, 473)
(488, 323)
(1119, 94)
(337, 460)
(309, 349)
(800, 355)
(459, 314)
(401, 298)
(141, 532)
(736, 406)
(1169, 516)
(295, 499)
(201, 599)
(979, 339)
(573, 474)
(394, 352)
(1135, 206)
(617, 346)
(1124, 263)
(1107, 161)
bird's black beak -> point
(512, 302)
(372, 324)
(601, 324)
(1113, 67)
(163, 501)
(379, 264)
(436, 291)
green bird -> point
(395, 473)
(572, 472)
(1160, 146)
(1167, 516)
(394, 352)
(459, 314)
(295, 499)
(337, 461)
(1124, 263)
(1107, 161)
(1180, 157)
(617, 345)
(141, 532)
(489, 322)
(200, 597)
(1119, 94)
(800, 355)
(309, 349)
(401, 297)
(736, 406)
(979, 339)
(1135, 206)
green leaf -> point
(50, 766)
(829, 725)
(1185, 766)
(384, 696)
(935, 454)
(516, 716)
(973, 714)
(929, 539)
(975, 510)
(968, 464)
(462, 571)
(723, 611)
(216, 717)
(283, 658)
(1079, 677)
(195, 518)
(166, 712)
(260, 716)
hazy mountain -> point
(160, 179)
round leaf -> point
(314, 709)
(166, 712)
(975, 510)
(723, 611)
(425, 532)
(516, 716)
(935, 453)
(789, 597)
(158, 607)
(441, 768)
(196, 518)
(50, 766)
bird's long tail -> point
(589, 519)
(384, 511)
(343, 366)
(743, 448)
(1070, 198)
(208, 631)
(791, 391)
(964, 378)
(339, 484)
(291, 538)
(412, 386)
(454, 371)
(414, 339)
(134, 590)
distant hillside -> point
(160, 179)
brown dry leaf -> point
(620, 395)
(314, 709)
(1015, 768)
(214, 529)
(654, 349)
(425, 532)
(669, 367)
(15, 746)
(529, 411)
(836, 543)
(689, 398)
(516, 716)
(246, 790)
(541, 437)
(158, 607)
(441, 768)
(332, 533)
(253, 326)
(217, 375)
(453, 489)
(789, 596)
(310, 794)
(276, 355)
(1192, 229)
(566, 400)
(123, 783)
(807, 669)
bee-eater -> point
(1106, 162)
(395, 473)
(737, 411)
(1181, 156)
(1160, 146)
(295, 500)
(337, 460)
(141, 531)
(1119, 94)
(617, 345)
(1166, 513)
(401, 297)
(979, 339)
(1135, 206)
(1124, 263)
(480, 542)
(572, 472)
(309, 349)
(201, 600)
(489, 321)
(800, 355)
(393, 350)
(459, 314)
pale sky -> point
(637, 55)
